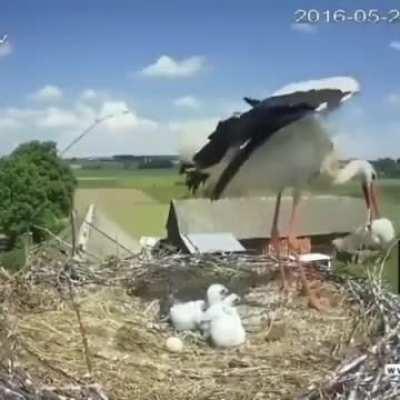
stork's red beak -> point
(374, 200)
(371, 201)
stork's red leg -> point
(274, 228)
(292, 240)
(275, 239)
(314, 301)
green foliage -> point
(36, 188)
(14, 259)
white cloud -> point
(89, 95)
(357, 134)
(47, 93)
(189, 102)
(5, 49)
(395, 44)
(57, 118)
(133, 133)
(7, 123)
(393, 98)
(126, 121)
(92, 98)
(367, 144)
(192, 134)
(167, 67)
(124, 133)
(304, 28)
(113, 107)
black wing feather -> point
(219, 142)
(283, 117)
(235, 131)
(251, 102)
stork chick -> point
(216, 293)
(222, 323)
(187, 316)
(378, 236)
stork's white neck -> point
(360, 169)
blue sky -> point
(179, 66)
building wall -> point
(319, 244)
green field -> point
(138, 200)
(142, 208)
(161, 184)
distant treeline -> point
(387, 167)
(125, 161)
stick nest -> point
(76, 330)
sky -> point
(179, 66)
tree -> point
(36, 189)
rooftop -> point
(248, 218)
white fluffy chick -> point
(214, 310)
(222, 323)
(379, 237)
(187, 316)
(216, 293)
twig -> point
(73, 236)
(45, 362)
(109, 237)
(64, 242)
(82, 329)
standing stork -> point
(279, 143)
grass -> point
(392, 273)
(161, 184)
(388, 194)
(134, 210)
(139, 215)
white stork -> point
(279, 143)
